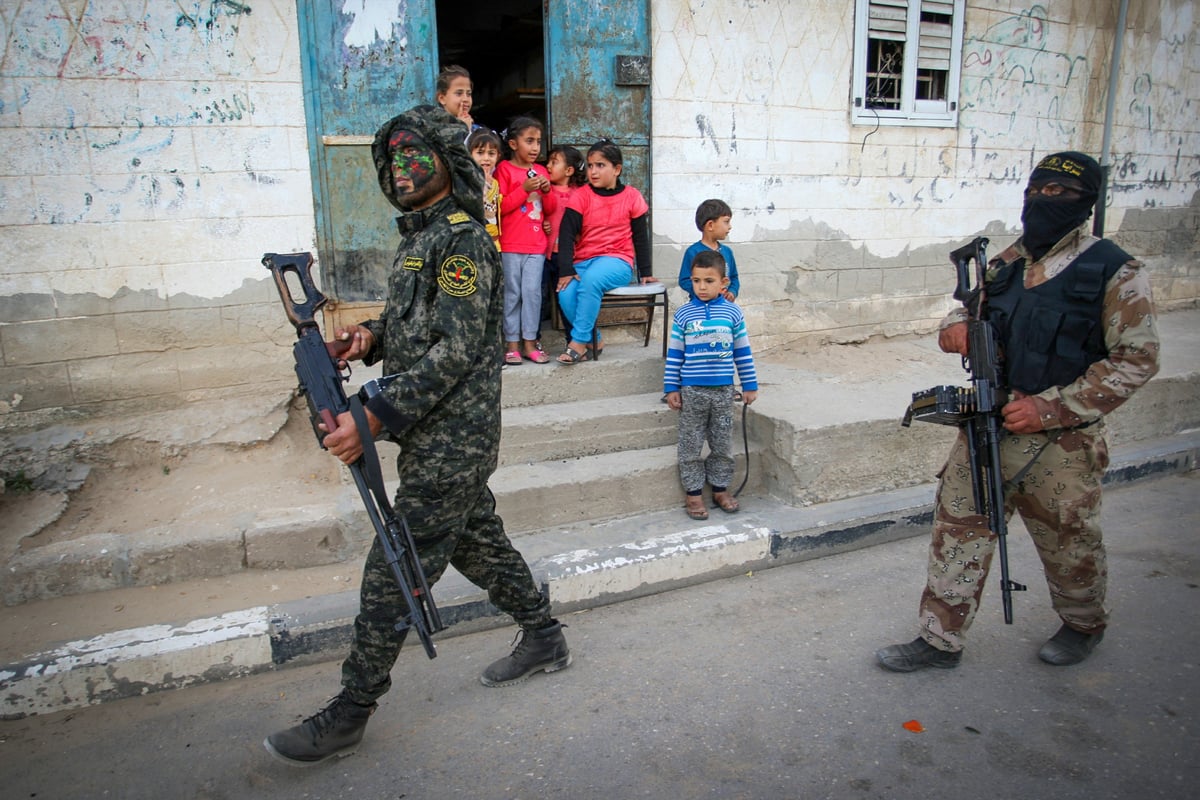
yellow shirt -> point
(491, 210)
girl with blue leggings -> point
(604, 233)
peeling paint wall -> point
(149, 154)
(842, 231)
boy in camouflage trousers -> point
(440, 332)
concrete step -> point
(534, 496)
(54, 660)
(624, 368)
(558, 431)
(825, 428)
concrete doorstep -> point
(627, 558)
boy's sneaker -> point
(335, 730)
(916, 655)
(541, 649)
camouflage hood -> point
(446, 135)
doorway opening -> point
(502, 44)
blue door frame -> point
(366, 61)
(359, 70)
(598, 78)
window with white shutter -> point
(907, 55)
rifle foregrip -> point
(320, 382)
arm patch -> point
(457, 276)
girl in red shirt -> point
(526, 199)
(604, 232)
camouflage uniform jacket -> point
(1129, 334)
(440, 332)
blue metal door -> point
(363, 62)
(598, 74)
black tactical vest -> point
(1053, 332)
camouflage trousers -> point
(452, 516)
(1058, 500)
(707, 414)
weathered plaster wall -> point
(149, 154)
(842, 231)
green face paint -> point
(413, 162)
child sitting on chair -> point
(603, 241)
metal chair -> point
(636, 295)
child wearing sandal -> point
(708, 342)
(526, 199)
(604, 232)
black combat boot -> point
(335, 730)
(916, 655)
(1069, 646)
(541, 649)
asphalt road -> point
(760, 686)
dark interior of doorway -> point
(501, 43)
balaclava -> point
(445, 135)
(1046, 220)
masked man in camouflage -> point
(1076, 322)
(440, 333)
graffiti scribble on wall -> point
(1014, 65)
(94, 42)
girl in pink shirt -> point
(526, 199)
(605, 231)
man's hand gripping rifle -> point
(321, 379)
(977, 409)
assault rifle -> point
(976, 410)
(320, 369)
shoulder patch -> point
(458, 217)
(457, 276)
(413, 263)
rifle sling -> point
(1051, 438)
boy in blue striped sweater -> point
(708, 342)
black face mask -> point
(1046, 220)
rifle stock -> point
(977, 410)
(319, 369)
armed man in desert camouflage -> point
(439, 340)
(1075, 319)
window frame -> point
(912, 111)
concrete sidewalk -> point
(807, 500)
(625, 559)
